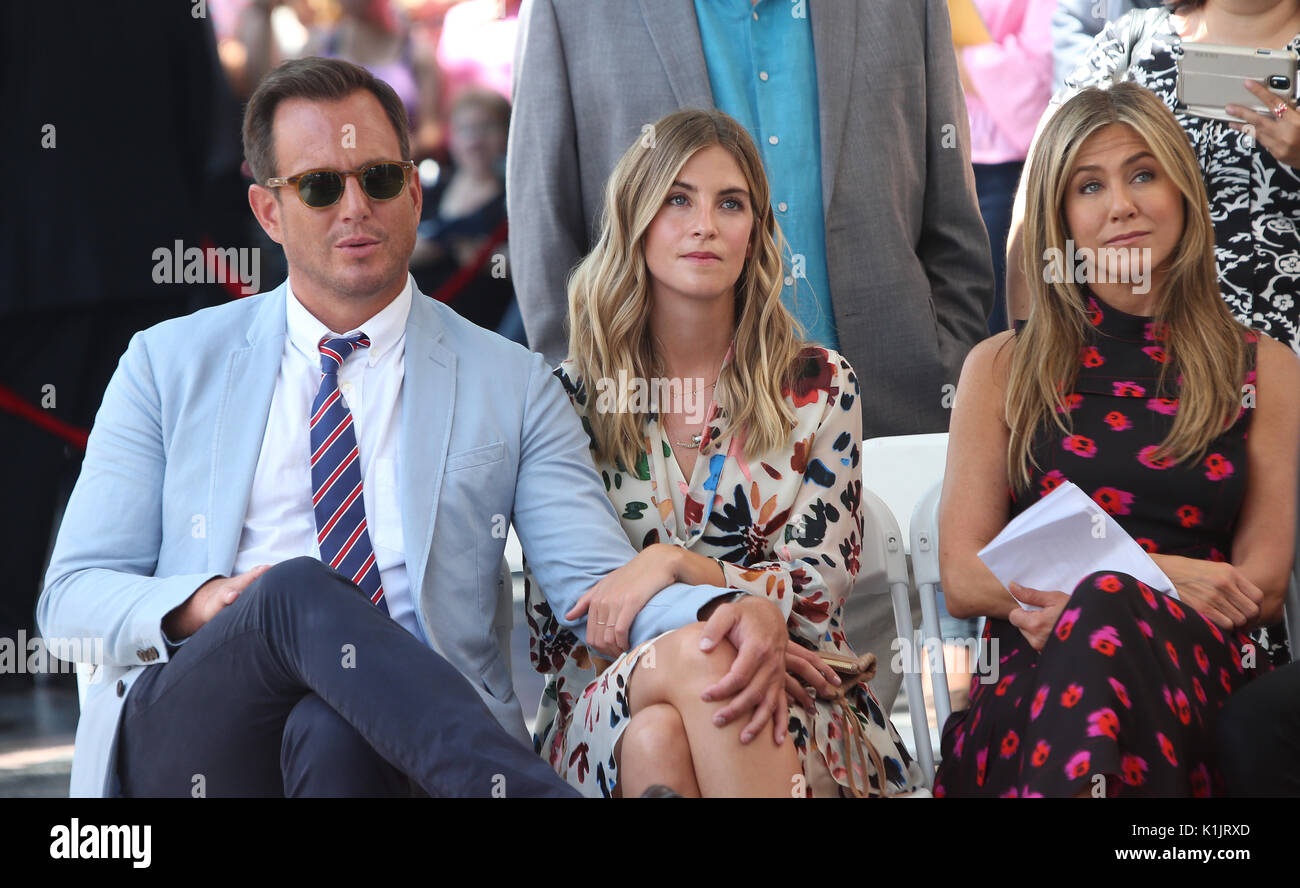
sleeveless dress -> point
(787, 527)
(1122, 698)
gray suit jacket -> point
(910, 270)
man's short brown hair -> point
(316, 78)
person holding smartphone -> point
(1251, 166)
(729, 448)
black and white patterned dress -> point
(1254, 197)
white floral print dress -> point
(788, 528)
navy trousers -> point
(1259, 736)
(302, 687)
(995, 188)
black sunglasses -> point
(382, 180)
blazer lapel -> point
(250, 375)
(676, 37)
(428, 400)
(834, 43)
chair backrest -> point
(897, 474)
(925, 573)
(882, 556)
(900, 469)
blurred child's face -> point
(477, 139)
(697, 243)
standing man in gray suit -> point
(858, 112)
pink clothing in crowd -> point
(477, 47)
(1013, 75)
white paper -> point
(1061, 539)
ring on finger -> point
(1280, 109)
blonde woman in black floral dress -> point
(1140, 388)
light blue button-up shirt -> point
(763, 73)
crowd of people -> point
(797, 226)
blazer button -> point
(121, 688)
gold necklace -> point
(695, 439)
(702, 389)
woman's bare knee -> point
(656, 732)
(675, 663)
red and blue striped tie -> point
(336, 476)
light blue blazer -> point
(487, 435)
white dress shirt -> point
(280, 523)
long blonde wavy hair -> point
(1204, 342)
(610, 300)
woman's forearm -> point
(1272, 586)
(697, 570)
(970, 590)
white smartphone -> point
(1210, 77)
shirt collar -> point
(385, 330)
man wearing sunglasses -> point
(289, 525)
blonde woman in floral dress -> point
(729, 449)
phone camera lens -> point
(1279, 81)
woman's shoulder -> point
(812, 355)
(990, 359)
(820, 369)
(569, 376)
(1275, 363)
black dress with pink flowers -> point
(1122, 698)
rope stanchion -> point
(11, 402)
(466, 273)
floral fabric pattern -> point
(1254, 197)
(787, 527)
(1123, 696)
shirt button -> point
(346, 388)
(772, 140)
(762, 75)
(756, 16)
(789, 281)
(781, 206)
(121, 688)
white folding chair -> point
(925, 573)
(882, 551)
(897, 475)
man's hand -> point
(206, 602)
(757, 677)
(1035, 626)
